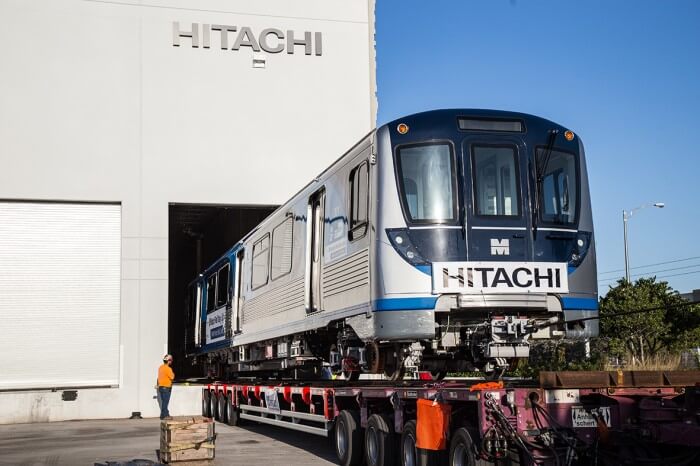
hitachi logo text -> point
(505, 277)
(269, 40)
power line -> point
(621, 313)
(661, 276)
(650, 265)
(643, 274)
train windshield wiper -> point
(540, 170)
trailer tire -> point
(214, 404)
(233, 416)
(409, 455)
(222, 408)
(348, 438)
(206, 412)
(380, 442)
(462, 451)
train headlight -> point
(583, 243)
(402, 244)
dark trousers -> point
(164, 393)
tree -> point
(671, 328)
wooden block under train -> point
(187, 438)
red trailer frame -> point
(565, 418)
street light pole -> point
(625, 218)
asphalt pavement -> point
(75, 443)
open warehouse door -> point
(198, 234)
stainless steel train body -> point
(447, 239)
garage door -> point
(59, 294)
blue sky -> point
(623, 75)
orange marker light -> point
(402, 128)
(569, 135)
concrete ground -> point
(75, 443)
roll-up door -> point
(59, 294)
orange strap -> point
(487, 386)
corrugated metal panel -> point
(59, 294)
(347, 274)
(279, 300)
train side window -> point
(211, 292)
(359, 201)
(222, 286)
(559, 188)
(282, 248)
(260, 262)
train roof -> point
(447, 117)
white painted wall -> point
(97, 105)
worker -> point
(165, 385)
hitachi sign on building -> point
(270, 40)
(142, 143)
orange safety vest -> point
(165, 376)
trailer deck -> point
(563, 418)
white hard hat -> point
(168, 357)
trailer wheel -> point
(222, 408)
(379, 441)
(409, 455)
(233, 416)
(462, 452)
(348, 438)
(214, 405)
(205, 404)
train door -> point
(218, 299)
(497, 214)
(237, 292)
(314, 250)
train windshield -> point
(496, 181)
(559, 189)
(428, 185)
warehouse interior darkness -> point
(197, 235)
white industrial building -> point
(139, 138)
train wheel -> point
(394, 372)
(379, 441)
(462, 452)
(348, 438)
(394, 368)
(222, 408)
(214, 405)
(205, 404)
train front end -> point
(484, 237)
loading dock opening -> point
(197, 235)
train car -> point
(446, 240)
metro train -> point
(447, 240)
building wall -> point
(96, 104)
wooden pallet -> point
(187, 439)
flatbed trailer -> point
(564, 418)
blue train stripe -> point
(404, 304)
(587, 304)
